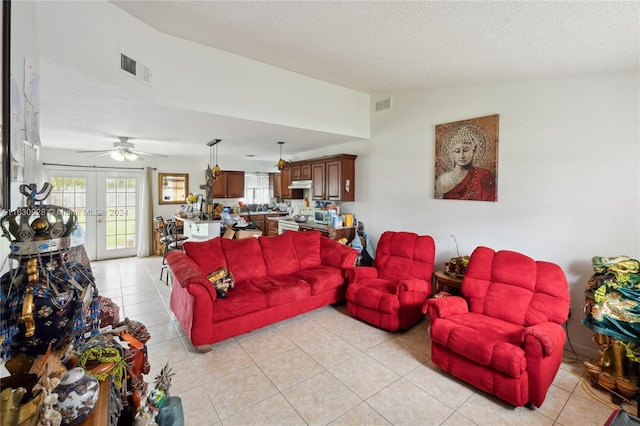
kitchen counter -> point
(333, 232)
(261, 213)
(201, 229)
(196, 220)
(310, 223)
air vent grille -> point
(134, 68)
(127, 64)
(383, 104)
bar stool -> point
(170, 239)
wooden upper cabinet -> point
(296, 173)
(274, 185)
(334, 178)
(235, 184)
(285, 181)
(333, 170)
(317, 180)
(305, 171)
(220, 186)
(300, 171)
(230, 184)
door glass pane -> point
(71, 192)
(120, 202)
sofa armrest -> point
(186, 272)
(550, 335)
(332, 253)
(442, 307)
(357, 273)
(415, 284)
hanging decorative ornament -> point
(281, 163)
(213, 158)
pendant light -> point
(213, 156)
(281, 162)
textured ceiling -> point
(374, 47)
(382, 47)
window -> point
(256, 188)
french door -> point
(106, 206)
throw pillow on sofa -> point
(222, 280)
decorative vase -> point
(77, 395)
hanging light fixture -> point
(213, 157)
(281, 162)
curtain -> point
(145, 215)
(33, 168)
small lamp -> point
(281, 162)
(117, 155)
(213, 145)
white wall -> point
(89, 36)
(568, 174)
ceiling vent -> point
(135, 69)
(383, 104)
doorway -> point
(106, 205)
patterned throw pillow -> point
(223, 280)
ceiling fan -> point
(123, 150)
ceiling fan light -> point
(131, 156)
(117, 155)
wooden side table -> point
(443, 280)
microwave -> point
(321, 216)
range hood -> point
(300, 184)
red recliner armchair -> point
(390, 294)
(504, 333)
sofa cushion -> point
(307, 245)
(206, 254)
(244, 258)
(279, 254)
(281, 289)
(244, 299)
(404, 255)
(375, 292)
(321, 278)
(485, 340)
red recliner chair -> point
(504, 333)
(390, 294)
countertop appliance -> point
(321, 216)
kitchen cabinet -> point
(317, 180)
(333, 178)
(280, 183)
(275, 185)
(300, 171)
(272, 227)
(285, 181)
(230, 184)
(262, 221)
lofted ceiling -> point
(376, 47)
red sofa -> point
(504, 334)
(275, 278)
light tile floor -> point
(322, 367)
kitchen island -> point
(200, 229)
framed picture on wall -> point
(467, 159)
